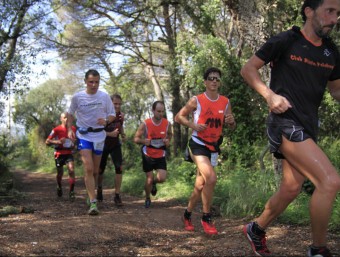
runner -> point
(63, 155)
(113, 147)
(94, 110)
(299, 76)
(210, 112)
(154, 134)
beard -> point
(323, 34)
(321, 30)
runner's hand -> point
(278, 104)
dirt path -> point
(59, 227)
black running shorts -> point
(277, 127)
(197, 149)
(63, 160)
(150, 164)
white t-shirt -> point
(88, 108)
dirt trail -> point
(59, 227)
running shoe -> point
(93, 209)
(154, 189)
(118, 200)
(147, 203)
(100, 195)
(318, 252)
(188, 224)
(257, 242)
(59, 192)
(209, 227)
(72, 196)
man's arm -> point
(229, 118)
(182, 116)
(168, 136)
(250, 73)
(50, 139)
(138, 139)
(70, 133)
(334, 89)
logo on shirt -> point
(326, 52)
(209, 112)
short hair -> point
(116, 96)
(313, 4)
(94, 73)
(154, 105)
(210, 70)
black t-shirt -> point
(300, 74)
(111, 142)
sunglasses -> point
(214, 78)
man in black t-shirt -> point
(304, 62)
(113, 148)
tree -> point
(43, 111)
(20, 20)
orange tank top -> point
(210, 112)
(156, 133)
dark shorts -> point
(150, 164)
(116, 157)
(197, 149)
(277, 127)
(63, 160)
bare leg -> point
(161, 176)
(71, 175)
(148, 183)
(289, 189)
(196, 194)
(118, 182)
(311, 161)
(96, 162)
(86, 156)
(209, 177)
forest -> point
(145, 51)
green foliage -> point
(335, 218)
(297, 212)
(243, 193)
(42, 111)
(288, 12)
(329, 114)
(5, 151)
(40, 153)
(331, 146)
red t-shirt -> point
(60, 132)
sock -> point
(316, 249)
(206, 217)
(72, 181)
(257, 229)
(187, 214)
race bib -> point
(98, 146)
(214, 159)
(157, 143)
(68, 143)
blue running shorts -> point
(96, 147)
